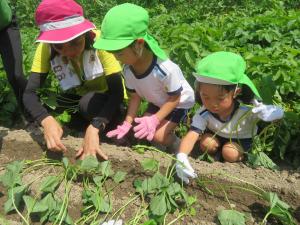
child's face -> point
(215, 98)
(131, 54)
(71, 49)
(126, 56)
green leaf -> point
(34, 206)
(65, 161)
(273, 200)
(100, 203)
(138, 184)
(150, 164)
(159, 181)
(150, 222)
(231, 217)
(12, 176)
(15, 194)
(119, 176)
(64, 117)
(261, 159)
(89, 163)
(158, 205)
(50, 101)
(173, 189)
(98, 180)
(49, 184)
(106, 169)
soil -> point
(21, 144)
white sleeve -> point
(128, 81)
(199, 121)
(172, 81)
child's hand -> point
(184, 169)
(121, 130)
(267, 112)
(146, 127)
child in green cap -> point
(225, 125)
(148, 73)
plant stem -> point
(19, 213)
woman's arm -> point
(115, 98)
(30, 98)
(52, 130)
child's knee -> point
(232, 152)
(209, 144)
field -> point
(137, 183)
(219, 187)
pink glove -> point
(147, 127)
(120, 131)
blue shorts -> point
(246, 143)
(176, 116)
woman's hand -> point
(91, 144)
(52, 134)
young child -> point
(223, 123)
(149, 74)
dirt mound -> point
(214, 179)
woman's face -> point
(71, 49)
(215, 98)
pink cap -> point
(60, 21)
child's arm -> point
(134, 103)
(188, 142)
(123, 129)
(168, 107)
(184, 169)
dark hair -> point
(89, 41)
(245, 96)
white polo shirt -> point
(241, 124)
(162, 80)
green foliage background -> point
(265, 32)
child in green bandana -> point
(149, 75)
(225, 125)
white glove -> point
(184, 169)
(113, 222)
(267, 112)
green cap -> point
(122, 25)
(224, 68)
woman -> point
(66, 40)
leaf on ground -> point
(89, 163)
(106, 169)
(12, 176)
(15, 194)
(261, 159)
(231, 217)
(150, 164)
(119, 176)
(33, 205)
(49, 184)
(158, 205)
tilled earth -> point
(21, 144)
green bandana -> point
(223, 68)
(122, 25)
(5, 14)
